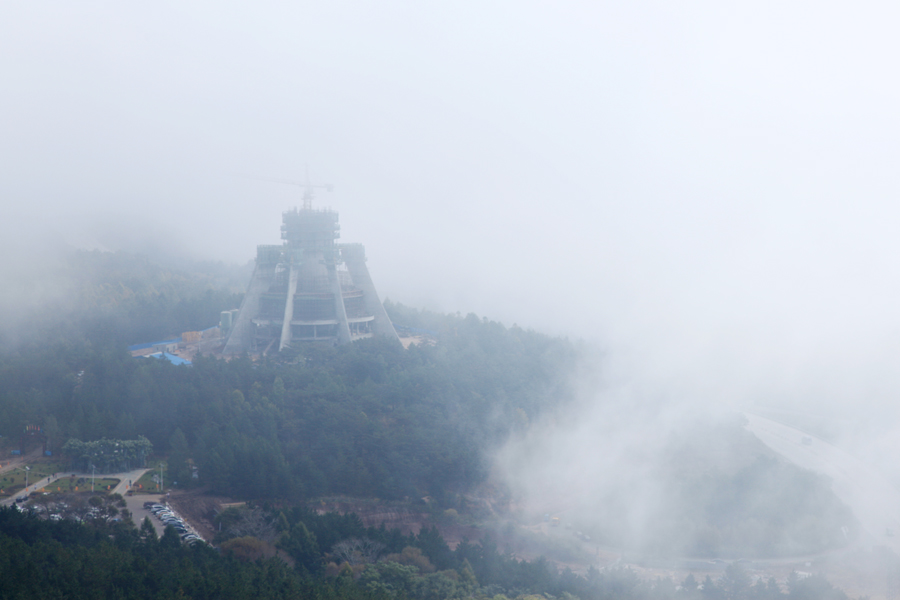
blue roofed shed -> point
(175, 360)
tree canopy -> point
(108, 456)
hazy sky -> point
(708, 188)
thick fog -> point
(707, 191)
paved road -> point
(138, 512)
(126, 480)
(135, 503)
(873, 499)
(123, 478)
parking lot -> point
(162, 515)
(41, 498)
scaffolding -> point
(308, 289)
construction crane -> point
(308, 187)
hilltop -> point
(374, 421)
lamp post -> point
(162, 480)
(26, 478)
(93, 469)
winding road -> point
(871, 497)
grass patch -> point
(43, 468)
(148, 483)
(13, 481)
(39, 470)
(80, 484)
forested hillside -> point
(45, 559)
(369, 419)
(118, 299)
(365, 419)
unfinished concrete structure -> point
(308, 289)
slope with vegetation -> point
(45, 559)
(369, 419)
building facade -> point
(308, 289)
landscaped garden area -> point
(12, 482)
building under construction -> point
(307, 289)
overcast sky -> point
(709, 189)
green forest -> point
(364, 420)
(44, 559)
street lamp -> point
(26, 478)
(93, 469)
(162, 480)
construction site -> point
(308, 289)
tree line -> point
(363, 419)
(66, 559)
(369, 419)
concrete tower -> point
(308, 289)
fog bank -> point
(708, 192)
